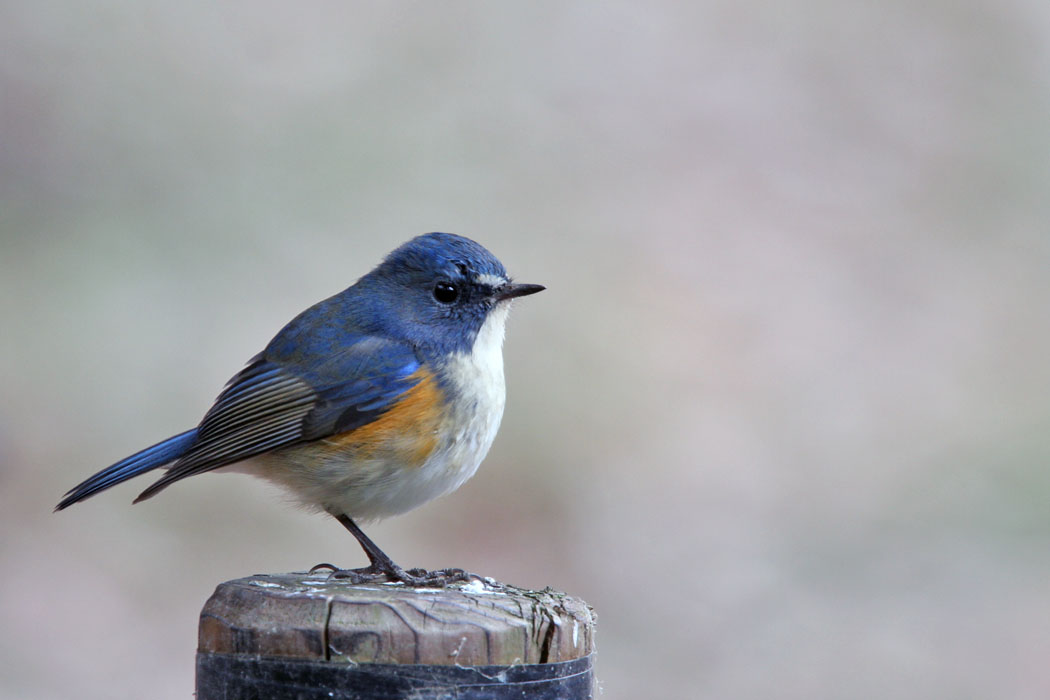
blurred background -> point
(781, 417)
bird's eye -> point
(446, 292)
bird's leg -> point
(383, 567)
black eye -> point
(446, 292)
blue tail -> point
(150, 458)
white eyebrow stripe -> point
(487, 280)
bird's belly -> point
(377, 471)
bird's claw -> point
(416, 578)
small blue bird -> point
(369, 403)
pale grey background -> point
(781, 417)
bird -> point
(367, 404)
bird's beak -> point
(511, 291)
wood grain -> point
(311, 617)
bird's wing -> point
(277, 402)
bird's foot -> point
(389, 572)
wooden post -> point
(307, 636)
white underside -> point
(376, 488)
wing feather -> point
(273, 403)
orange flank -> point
(407, 432)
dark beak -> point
(511, 291)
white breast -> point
(477, 379)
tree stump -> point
(308, 636)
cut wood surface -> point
(312, 617)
